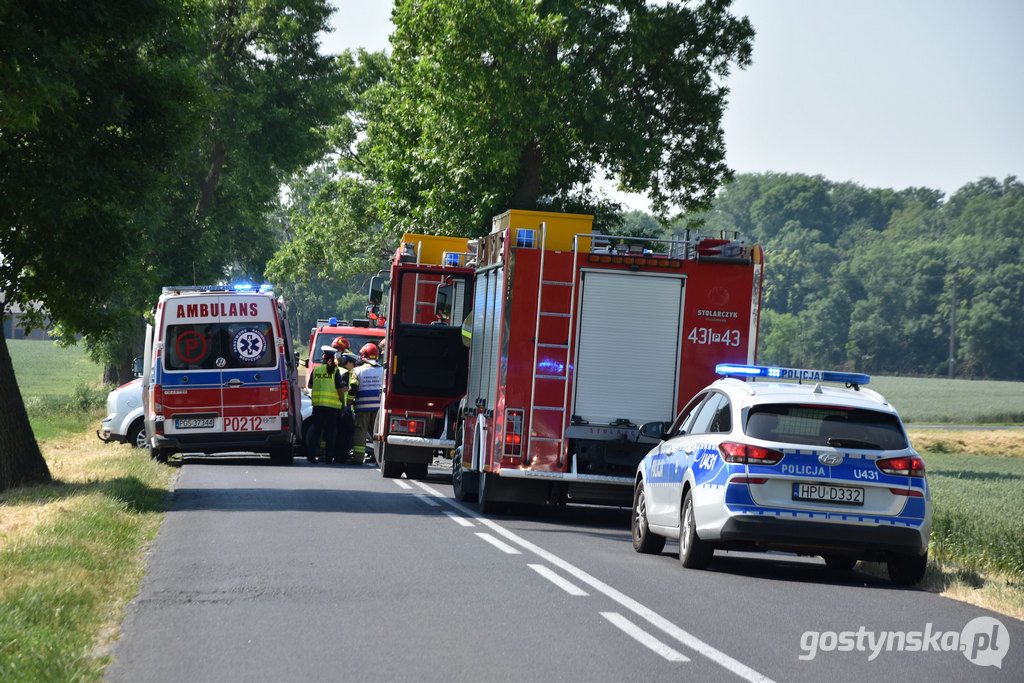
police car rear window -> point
(826, 426)
(220, 346)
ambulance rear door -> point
(253, 364)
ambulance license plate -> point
(194, 423)
(829, 493)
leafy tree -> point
(498, 104)
(97, 102)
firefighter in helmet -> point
(369, 375)
(340, 344)
(348, 385)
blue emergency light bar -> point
(798, 374)
(332, 321)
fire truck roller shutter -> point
(620, 311)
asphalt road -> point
(310, 572)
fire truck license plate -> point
(845, 495)
(250, 423)
(193, 423)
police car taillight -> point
(904, 465)
(405, 426)
(746, 454)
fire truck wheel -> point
(388, 468)
(416, 470)
(484, 502)
(644, 540)
(459, 484)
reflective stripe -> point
(370, 376)
(324, 392)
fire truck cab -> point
(221, 374)
(358, 332)
(425, 362)
(577, 339)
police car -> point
(787, 464)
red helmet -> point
(369, 351)
(341, 344)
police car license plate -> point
(829, 493)
(194, 423)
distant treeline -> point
(875, 280)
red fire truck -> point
(425, 361)
(577, 339)
(358, 332)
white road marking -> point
(428, 500)
(568, 587)
(644, 638)
(403, 484)
(459, 519)
(503, 547)
(655, 619)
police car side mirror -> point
(653, 430)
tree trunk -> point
(528, 178)
(21, 462)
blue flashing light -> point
(242, 287)
(266, 287)
(332, 321)
(526, 238)
(798, 374)
(451, 258)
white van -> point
(221, 374)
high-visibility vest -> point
(348, 378)
(324, 393)
(370, 376)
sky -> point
(882, 93)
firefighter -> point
(340, 345)
(369, 375)
(348, 385)
(327, 407)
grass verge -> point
(71, 556)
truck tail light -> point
(514, 432)
(904, 465)
(401, 425)
(746, 454)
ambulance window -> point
(191, 347)
(241, 345)
(248, 345)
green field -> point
(45, 369)
(923, 400)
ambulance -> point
(221, 374)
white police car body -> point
(805, 468)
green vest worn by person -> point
(324, 393)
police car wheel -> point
(907, 570)
(839, 563)
(644, 540)
(693, 552)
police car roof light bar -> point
(854, 379)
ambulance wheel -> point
(693, 552)
(137, 434)
(416, 470)
(839, 563)
(160, 454)
(282, 456)
(644, 540)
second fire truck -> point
(577, 339)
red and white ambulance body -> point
(224, 374)
(578, 339)
(424, 358)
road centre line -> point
(503, 547)
(644, 638)
(458, 519)
(567, 586)
(649, 615)
(427, 499)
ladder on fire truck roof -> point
(551, 309)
